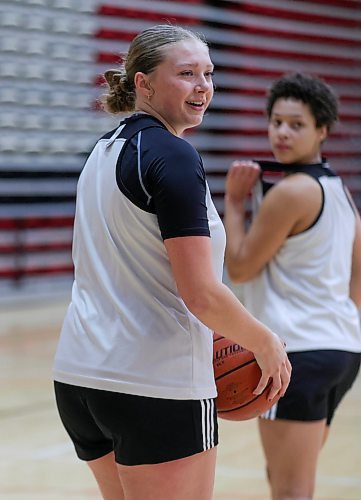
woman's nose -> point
(202, 84)
(283, 129)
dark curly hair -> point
(310, 90)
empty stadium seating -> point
(53, 53)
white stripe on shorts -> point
(203, 424)
(271, 413)
(212, 423)
(207, 406)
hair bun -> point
(113, 77)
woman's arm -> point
(288, 208)
(355, 282)
(219, 309)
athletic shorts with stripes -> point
(319, 381)
(140, 430)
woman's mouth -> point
(282, 147)
(199, 105)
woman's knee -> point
(290, 485)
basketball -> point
(237, 374)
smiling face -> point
(293, 134)
(180, 88)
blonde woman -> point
(133, 370)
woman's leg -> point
(106, 474)
(291, 449)
(190, 478)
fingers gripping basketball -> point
(237, 375)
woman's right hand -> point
(275, 365)
(241, 177)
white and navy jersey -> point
(302, 294)
(127, 329)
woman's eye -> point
(209, 74)
(187, 73)
(297, 125)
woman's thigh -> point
(291, 449)
(183, 479)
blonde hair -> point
(145, 53)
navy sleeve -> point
(175, 179)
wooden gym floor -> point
(37, 461)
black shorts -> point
(319, 380)
(140, 430)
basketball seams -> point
(217, 339)
(238, 367)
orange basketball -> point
(237, 375)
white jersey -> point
(127, 329)
(303, 292)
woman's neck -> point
(148, 110)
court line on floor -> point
(234, 472)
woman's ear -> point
(142, 84)
(323, 132)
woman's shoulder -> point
(297, 185)
(296, 198)
(169, 144)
